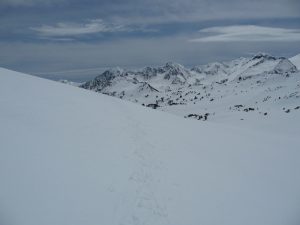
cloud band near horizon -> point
(249, 33)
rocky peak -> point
(211, 68)
(103, 80)
(176, 72)
(147, 72)
(285, 66)
(263, 56)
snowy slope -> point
(296, 61)
(69, 156)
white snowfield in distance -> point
(69, 156)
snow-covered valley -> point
(69, 156)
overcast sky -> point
(75, 39)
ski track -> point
(147, 209)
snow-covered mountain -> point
(76, 84)
(69, 156)
(296, 61)
(246, 87)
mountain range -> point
(255, 86)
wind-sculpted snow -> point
(69, 156)
(269, 85)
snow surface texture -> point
(257, 88)
(69, 156)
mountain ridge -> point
(174, 87)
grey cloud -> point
(41, 58)
(69, 40)
(74, 29)
(157, 11)
(248, 33)
(194, 10)
(28, 3)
